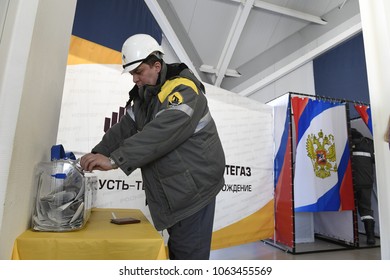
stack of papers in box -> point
(64, 196)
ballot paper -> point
(64, 196)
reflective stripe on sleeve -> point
(189, 111)
(203, 122)
(182, 107)
(362, 154)
(131, 113)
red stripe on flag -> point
(346, 190)
(283, 201)
(362, 110)
(298, 106)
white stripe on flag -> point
(308, 188)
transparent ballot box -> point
(65, 196)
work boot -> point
(369, 225)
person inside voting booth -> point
(363, 177)
(169, 133)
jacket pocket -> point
(180, 191)
(215, 157)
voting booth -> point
(314, 195)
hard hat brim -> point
(131, 67)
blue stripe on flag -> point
(279, 158)
(310, 112)
(369, 120)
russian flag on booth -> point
(284, 226)
(323, 177)
(365, 112)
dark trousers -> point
(363, 197)
(190, 239)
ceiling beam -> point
(287, 12)
(301, 60)
(232, 40)
(342, 4)
(170, 34)
(212, 70)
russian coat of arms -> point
(321, 150)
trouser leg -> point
(363, 197)
(190, 239)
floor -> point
(319, 250)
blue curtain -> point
(341, 72)
(111, 22)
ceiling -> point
(235, 44)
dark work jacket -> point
(363, 161)
(169, 133)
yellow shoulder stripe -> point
(169, 86)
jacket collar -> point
(168, 71)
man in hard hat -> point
(169, 133)
(363, 177)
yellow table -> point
(97, 240)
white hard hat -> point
(136, 48)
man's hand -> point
(91, 162)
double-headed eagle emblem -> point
(321, 150)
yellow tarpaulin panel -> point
(259, 225)
(85, 52)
